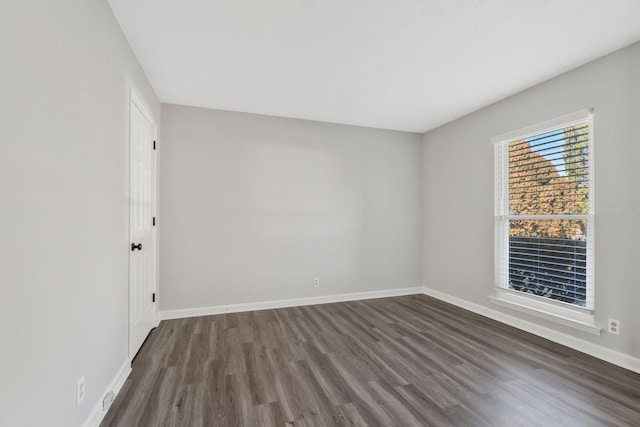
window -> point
(544, 219)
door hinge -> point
(154, 145)
(153, 297)
(154, 221)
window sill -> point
(578, 318)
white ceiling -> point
(397, 64)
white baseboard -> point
(612, 356)
(295, 302)
(97, 414)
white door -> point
(142, 257)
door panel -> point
(141, 207)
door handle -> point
(138, 246)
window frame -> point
(566, 313)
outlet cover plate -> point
(613, 326)
(80, 391)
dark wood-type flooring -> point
(403, 361)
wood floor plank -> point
(402, 361)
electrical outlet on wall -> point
(614, 326)
(316, 282)
(79, 391)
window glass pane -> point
(549, 173)
(548, 258)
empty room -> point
(319, 213)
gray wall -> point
(458, 190)
(254, 207)
(64, 79)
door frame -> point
(137, 100)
